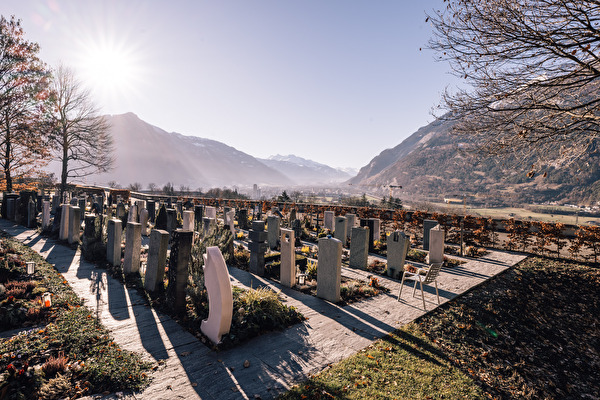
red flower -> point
(11, 368)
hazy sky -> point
(335, 81)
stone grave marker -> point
(188, 220)
(157, 259)
(273, 231)
(31, 214)
(340, 230)
(436, 245)
(211, 212)
(230, 218)
(151, 206)
(161, 219)
(359, 247)
(74, 224)
(45, 215)
(133, 245)
(397, 249)
(328, 220)
(179, 261)
(113, 243)
(297, 227)
(171, 220)
(207, 224)
(64, 223)
(427, 225)
(144, 221)
(257, 246)
(329, 269)
(287, 272)
(242, 218)
(220, 296)
(198, 213)
(133, 214)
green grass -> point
(92, 362)
(402, 365)
(529, 333)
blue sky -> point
(335, 81)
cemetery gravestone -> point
(230, 218)
(188, 220)
(74, 224)
(351, 222)
(397, 249)
(113, 243)
(273, 231)
(287, 270)
(144, 221)
(436, 245)
(179, 261)
(257, 246)
(171, 220)
(198, 213)
(31, 214)
(208, 224)
(133, 244)
(64, 223)
(45, 215)
(151, 207)
(211, 212)
(328, 220)
(220, 296)
(329, 269)
(243, 219)
(157, 259)
(340, 229)
(359, 248)
(428, 224)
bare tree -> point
(135, 187)
(152, 187)
(80, 137)
(24, 80)
(532, 69)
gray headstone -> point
(340, 229)
(329, 269)
(74, 224)
(207, 224)
(257, 247)
(31, 214)
(64, 223)
(273, 231)
(151, 207)
(287, 270)
(211, 212)
(351, 223)
(133, 214)
(144, 221)
(45, 214)
(171, 220)
(188, 220)
(328, 220)
(242, 218)
(198, 213)
(133, 247)
(113, 243)
(359, 248)
(397, 248)
(427, 225)
(179, 261)
(157, 259)
(436, 245)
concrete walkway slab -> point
(278, 360)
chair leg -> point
(436, 291)
(415, 287)
(401, 286)
(422, 295)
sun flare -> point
(111, 70)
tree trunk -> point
(7, 175)
(64, 173)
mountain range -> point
(432, 162)
(147, 154)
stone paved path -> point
(277, 360)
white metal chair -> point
(425, 276)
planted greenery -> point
(67, 354)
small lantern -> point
(301, 279)
(47, 299)
(30, 267)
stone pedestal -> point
(113, 243)
(340, 230)
(287, 270)
(179, 263)
(359, 248)
(133, 247)
(397, 248)
(157, 260)
(428, 224)
(329, 269)
(273, 231)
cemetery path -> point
(277, 360)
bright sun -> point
(110, 70)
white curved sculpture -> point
(220, 296)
